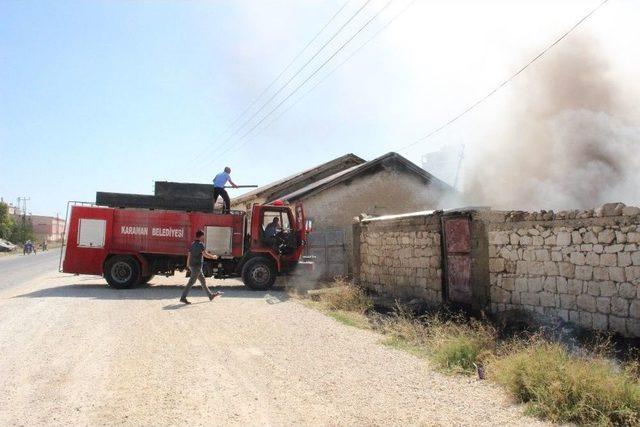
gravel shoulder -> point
(77, 352)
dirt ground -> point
(76, 352)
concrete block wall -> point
(581, 266)
(400, 256)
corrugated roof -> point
(344, 175)
(288, 184)
(398, 216)
(319, 183)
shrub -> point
(565, 388)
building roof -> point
(399, 216)
(277, 189)
(445, 212)
(370, 166)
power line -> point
(505, 82)
(326, 76)
(22, 205)
(307, 79)
(284, 70)
(292, 62)
(272, 97)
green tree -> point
(22, 230)
(6, 222)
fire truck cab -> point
(128, 246)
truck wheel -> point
(259, 274)
(122, 272)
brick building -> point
(47, 227)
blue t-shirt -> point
(221, 179)
(196, 250)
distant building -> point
(49, 228)
(12, 210)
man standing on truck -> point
(195, 259)
(218, 189)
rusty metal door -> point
(457, 258)
(329, 248)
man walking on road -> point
(195, 259)
(218, 189)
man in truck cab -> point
(195, 259)
(218, 189)
(278, 236)
(270, 232)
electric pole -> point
(22, 205)
(455, 181)
(58, 234)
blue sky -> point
(112, 95)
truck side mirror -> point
(309, 225)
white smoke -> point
(565, 142)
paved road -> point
(17, 269)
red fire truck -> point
(129, 246)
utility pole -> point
(455, 181)
(57, 234)
(22, 205)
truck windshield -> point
(283, 219)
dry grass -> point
(345, 303)
(562, 387)
(347, 297)
(460, 347)
(556, 385)
(350, 318)
(454, 345)
(405, 333)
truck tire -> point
(122, 272)
(259, 274)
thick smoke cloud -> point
(566, 141)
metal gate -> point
(457, 257)
(328, 246)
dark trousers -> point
(195, 274)
(217, 191)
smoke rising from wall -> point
(565, 141)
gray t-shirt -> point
(196, 250)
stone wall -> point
(581, 266)
(400, 256)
